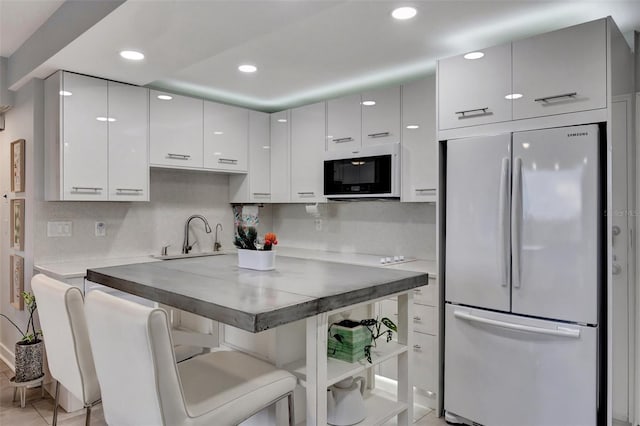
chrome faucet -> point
(186, 248)
(216, 244)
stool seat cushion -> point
(232, 382)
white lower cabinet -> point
(255, 186)
(425, 342)
(307, 151)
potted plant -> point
(28, 351)
(253, 254)
(352, 340)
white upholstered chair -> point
(142, 384)
(64, 329)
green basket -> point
(349, 346)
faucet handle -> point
(163, 251)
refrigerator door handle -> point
(560, 331)
(503, 224)
(516, 216)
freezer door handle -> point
(560, 331)
(516, 215)
(503, 223)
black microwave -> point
(370, 172)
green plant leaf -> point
(389, 324)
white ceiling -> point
(304, 50)
(20, 18)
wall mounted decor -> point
(17, 224)
(17, 166)
(17, 281)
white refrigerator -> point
(523, 274)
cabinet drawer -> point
(472, 91)
(428, 294)
(562, 71)
(424, 319)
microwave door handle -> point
(503, 222)
(516, 223)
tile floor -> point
(39, 411)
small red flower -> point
(270, 238)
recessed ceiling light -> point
(282, 120)
(132, 55)
(248, 68)
(111, 119)
(101, 118)
(511, 96)
(404, 13)
(474, 55)
(368, 103)
(218, 133)
(266, 147)
(65, 93)
(165, 97)
(412, 126)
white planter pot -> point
(258, 260)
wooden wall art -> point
(17, 224)
(17, 166)
(17, 281)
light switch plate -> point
(59, 229)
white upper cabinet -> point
(419, 145)
(255, 187)
(280, 155)
(307, 153)
(381, 116)
(561, 71)
(344, 123)
(175, 126)
(128, 142)
(226, 137)
(472, 91)
(84, 134)
(96, 139)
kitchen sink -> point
(182, 256)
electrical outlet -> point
(318, 224)
(59, 229)
(101, 229)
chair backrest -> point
(135, 362)
(66, 339)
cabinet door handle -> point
(178, 156)
(564, 95)
(136, 190)
(417, 291)
(306, 194)
(420, 191)
(341, 140)
(417, 318)
(227, 161)
(378, 135)
(417, 348)
(263, 194)
(86, 188)
(479, 112)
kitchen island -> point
(299, 289)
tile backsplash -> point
(369, 227)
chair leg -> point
(55, 404)
(292, 415)
(87, 421)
